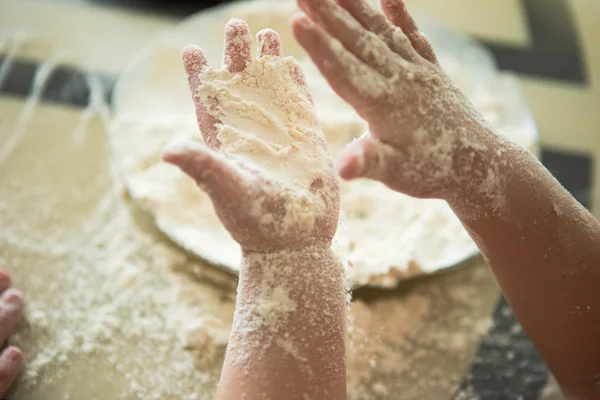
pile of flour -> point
(268, 125)
(386, 236)
(265, 118)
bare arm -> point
(544, 249)
(289, 328)
(271, 180)
(426, 140)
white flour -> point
(386, 236)
(273, 289)
(114, 310)
(268, 125)
(104, 292)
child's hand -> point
(272, 186)
(386, 69)
(427, 140)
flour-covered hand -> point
(265, 162)
(420, 135)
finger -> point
(423, 46)
(269, 43)
(300, 79)
(11, 362)
(373, 20)
(398, 14)
(349, 77)
(365, 45)
(211, 171)
(366, 157)
(11, 308)
(238, 45)
(299, 75)
(195, 63)
(5, 281)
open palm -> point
(265, 164)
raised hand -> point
(386, 69)
(265, 164)
(427, 140)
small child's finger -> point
(269, 43)
(211, 171)
(207, 122)
(12, 305)
(423, 46)
(372, 19)
(11, 362)
(238, 45)
(299, 75)
(349, 163)
(5, 281)
(352, 80)
(365, 45)
(300, 79)
(366, 157)
(398, 14)
(194, 63)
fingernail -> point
(12, 297)
(12, 354)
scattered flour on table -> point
(112, 295)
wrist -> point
(313, 269)
(282, 245)
(290, 315)
(482, 161)
(318, 245)
(283, 293)
(317, 256)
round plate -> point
(384, 235)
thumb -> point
(211, 171)
(366, 157)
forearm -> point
(288, 336)
(544, 250)
(427, 140)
